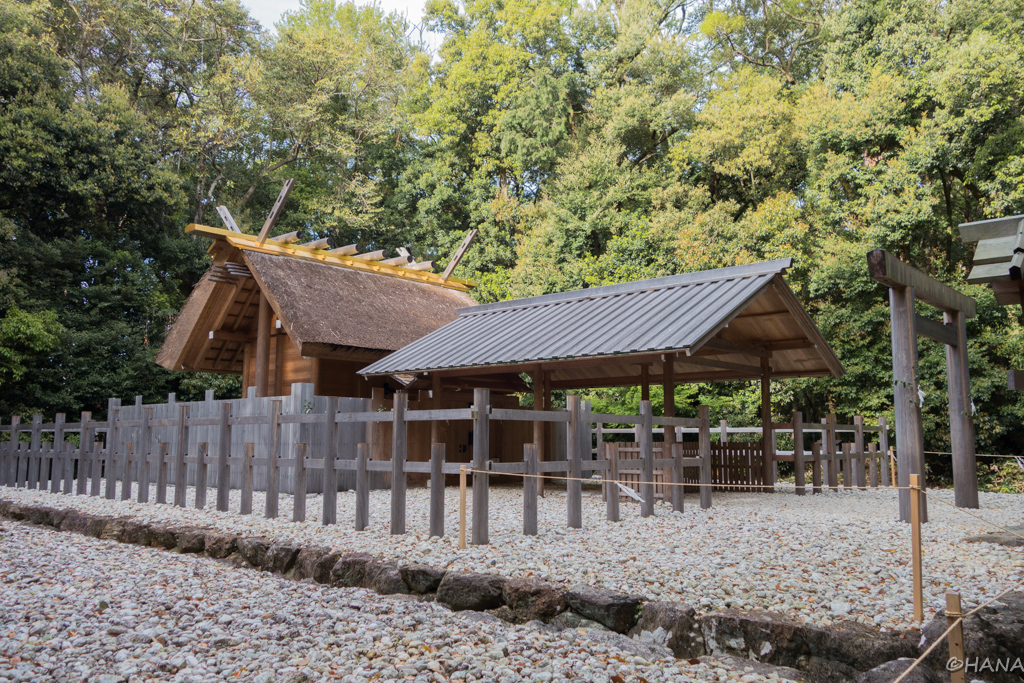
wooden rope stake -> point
(462, 507)
(892, 464)
(954, 617)
(915, 544)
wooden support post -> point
(954, 621)
(915, 544)
(142, 468)
(645, 382)
(263, 331)
(399, 442)
(612, 478)
(961, 427)
(435, 396)
(677, 476)
(362, 487)
(245, 507)
(816, 467)
(909, 429)
(538, 427)
(14, 453)
(130, 450)
(85, 448)
(61, 457)
(44, 452)
(462, 507)
(799, 474)
(545, 452)
(668, 386)
(273, 469)
(437, 489)
(830, 450)
(481, 463)
(330, 468)
(645, 437)
(872, 465)
(574, 445)
(883, 449)
(766, 426)
(201, 465)
(161, 473)
(530, 490)
(848, 474)
(35, 453)
(859, 451)
(299, 483)
(704, 446)
(723, 426)
(223, 455)
(180, 451)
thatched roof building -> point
(277, 312)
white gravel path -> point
(73, 608)
(839, 555)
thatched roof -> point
(327, 310)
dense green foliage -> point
(589, 143)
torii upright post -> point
(906, 285)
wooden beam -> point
(740, 348)
(229, 221)
(724, 365)
(421, 265)
(891, 272)
(768, 470)
(935, 330)
(645, 382)
(321, 243)
(459, 253)
(990, 229)
(224, 335)
(1009, 292)
(370, 255)
(287, 238)
(275, 212)
(263, 348)
(909, 429)
(347, 250)
(397, 261)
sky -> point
(267, 12)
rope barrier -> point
(971, 514)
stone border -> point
(791, 648)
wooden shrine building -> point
(276, 313)
(738, 323)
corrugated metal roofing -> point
(672, 313)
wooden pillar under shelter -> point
(909, 430)
(768, 468)
(961, 428)
(262, 371)
(538, 427)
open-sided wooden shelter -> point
(277, 313)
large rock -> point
(385, 578)
(1013, 537)
(743, 667)
(279, 558)
(322, 568)
(890, 671)
(161, 536)
(673, 625)
(115, 529)
(306, 560)
(826, 653)
(96, 527)
(44, 516)
(569, 619)
(617, 611)
(219, 546)
(16, 511)
(191, 540)
(350, 570)
(422, 578)
(75, 522)
(254, 550)
(531, 598)
(648, 651)
(469, 591)
(135, 532)
(994, 634)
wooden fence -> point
(304, 443)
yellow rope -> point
(971, 514)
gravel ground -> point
(822, 559)
(79, 609)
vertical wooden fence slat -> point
(704, 414)
(201, 451)
(798, 453)
(612, 477)
(126, 478)
(43, 463)
(180, 467)
(330, 470)
(85, 447)
(848, 473)
(578, 421)
(530, 489)
(299, 483)
(481, 462)
(677, 475)
(816, 467)
(145, 452)
(858, 447)
(830, 449)
(71, 458)
(399, 441)
(246, 505)
(646, 444)
(273, 471)
(223, 455)
(362, 487)
(56, 469)
(161, 472)
(872, 465)
(35, 453)
(883, 447)
(437, 453)
(110, 452)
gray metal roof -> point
(1000, 252)
(664, 314)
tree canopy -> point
(589, 143)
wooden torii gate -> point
(906, 285)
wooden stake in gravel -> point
(180, 468)
(273, 470)
(915, 544)
(462, 507)
(956, 637)
(362, 487)
(437, 489)
(530, 489)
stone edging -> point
(807, 652)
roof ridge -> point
(685, 279)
